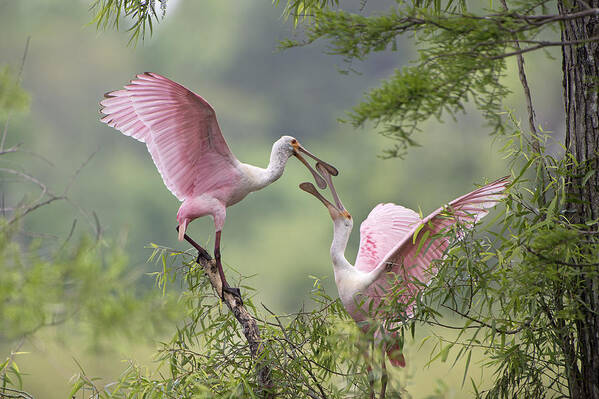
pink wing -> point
(384, 227)
(410, 258)
(179, 128)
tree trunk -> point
(581, 96)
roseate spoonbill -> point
(396, 247)
(183, 137)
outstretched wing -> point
(411, 257)
(385, 226)
(178, 126)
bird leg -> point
(226, 287)
(384, 378)
(202, 253)
(370, 381)
(368, 356)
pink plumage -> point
(182, 135)
(180, 130)
(410, 245)
(397, 247)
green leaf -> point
(466, 367)
(416, 233)
(76, 388)
(588, 175)
(422, 241)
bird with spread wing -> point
(397, 252)
(184, 140)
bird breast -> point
(245, 183)
(351, 284)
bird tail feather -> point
(396, 358)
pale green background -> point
(226, 52)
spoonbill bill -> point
(396, 247)
(183, 137)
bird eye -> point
(293, 141)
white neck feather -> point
(349, 280)
(276, 165)
(260, 177)
(341, 234)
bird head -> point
(290, 146)
(337, 211)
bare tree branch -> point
(245, 319)
(506, 332)
(536, 145)
(34, 207)
(557, 261)
(83, 165)
(543, 44)
(11, 149)
(307, 368)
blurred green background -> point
(226, 52)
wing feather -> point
(408, 262)
(178, 126)
(383, 228)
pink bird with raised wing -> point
(396, 247)
(183, 137)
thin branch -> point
(70, 234)
(34, 207)
(308, 369)
(10, 393)
(556, 261)
(543, 44)
(533, 19)
(43, 188)
(536, 145)
(83, 165)
(39, 156)
(14, 148)
(554, 17)
(507, 332)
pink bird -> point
(396, 247)
(183, 137)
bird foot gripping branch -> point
(210, 266)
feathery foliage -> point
(312, 353)
(460, 59)
(82, 287)
(513, 295)
(141, 13)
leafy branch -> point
(142, 13)
(460, 59)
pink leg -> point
(226, 287)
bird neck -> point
(341, 234)
(349, 280)
(275, 168)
